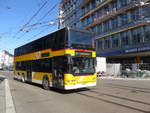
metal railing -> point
(127, 71)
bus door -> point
(57, 73)
(29, 72)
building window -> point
(83, 11)
(123, 3)
(106, 26)
(83, 23)
(94, 29)
(86, 21)
(135, 14)
(99, 13)
(106, 10)
(88, 8)
(115, 41)
(136, 36)
(107, 43)
(145, 11)
(114, 22)
(99, 28)
(78, 24)
(93, 4)
(124, 38)
(92, 17)
(114, 5)
(99, 45)
(124, 19)
(147, 33)
(134, 0)
(90, 20)
(98, 1)
(74, 25)
(74, 5)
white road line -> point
(9, 101)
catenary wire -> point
(32, 17)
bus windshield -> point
(83, 65)
(80, 39)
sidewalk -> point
(2, 95)
(6, 100)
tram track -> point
(117, 100)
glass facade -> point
(135, 14)
(71, 13)
(119, 19)
(147, 34)
(120, 24)
(107, 43)
(124, 39)
(114, 23)
(136, 36)
(115, 41)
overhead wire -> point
(38, 22)
(46, 24)
(43, 30)
(32, 17)
(38, 33)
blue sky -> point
(15, 13)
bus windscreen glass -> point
(80, 39)
(83, 65)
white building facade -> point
(6, 59)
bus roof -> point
(67, 28)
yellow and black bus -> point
(64, 59)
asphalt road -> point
(109, 96)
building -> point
(70, 13)
(122, 27)
(6, 59)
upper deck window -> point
(80, 39)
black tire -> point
(45, 83)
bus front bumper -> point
(76, 86)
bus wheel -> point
(23, 79)
(45, 83)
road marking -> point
(9, 101)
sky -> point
(20, 21)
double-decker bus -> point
(64, 59)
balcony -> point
(113, 13)
(85, 2)
(102, 4)
(132, 25)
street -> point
(109, 96)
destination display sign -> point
(81, 53)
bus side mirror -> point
(95, 62)
(70, 60)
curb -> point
(9, 100)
